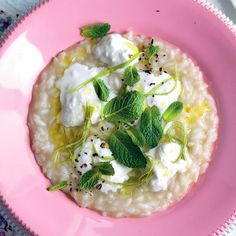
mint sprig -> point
(125, 151)
(131, 76)
(89, 179)
(151, 51)
(136, 136)
(173, 110)
(104, 167)
(126, 107)
(95, 31)
(150, 126)
(101, 89)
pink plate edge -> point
(12, 32)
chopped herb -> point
(89, 179)
(95, 31)
(125, 107)
(150, 126)
(105, 168)
(101, 89)
(136, 136)
(131, 75)
(125, 151)
(151, 51)
(173, 110)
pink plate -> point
(54, 27)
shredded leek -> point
(177, 133)
(105, 72)
(154, 88)
(139, 178)
(58, 186)
(66, 152)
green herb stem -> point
(152, 91)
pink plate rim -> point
(12, 31)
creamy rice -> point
(202, 131)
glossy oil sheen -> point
(53, 28)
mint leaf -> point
(150, 126)
(95, 31)
(89, 179)
(101, 89)
(58, 186)
(136, 136)
(131, 76)
(125, 107)
(105, 168)
(173, 110)
(125, 151)
(151, 51)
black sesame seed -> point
(153, 95)
(76, 160)
(85, 153)
(160, 69)
(102, 128)
(91, 140)
(152, 41)
(99, 186)
(95, 154)
(147, 71)
(70, 189)
(103, 145)
(151, 84)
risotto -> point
(122, 123)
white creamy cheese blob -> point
(148, 81)
(73, 104)
(166, 166)
(113, 49)
(96, 150)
